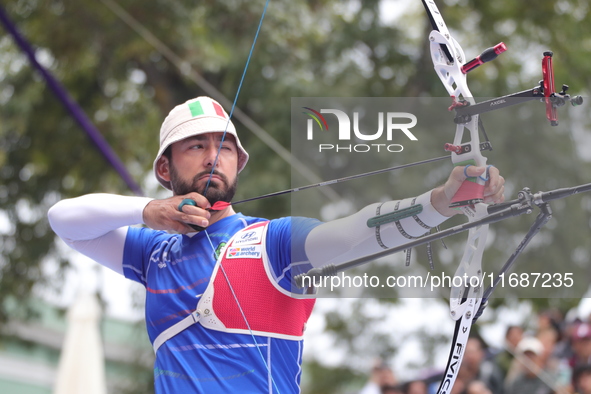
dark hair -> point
(511, 328)
(168, 152)
(476, 336)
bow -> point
(450, 65)
(467, 301)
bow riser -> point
(454, 79)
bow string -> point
(268, 368)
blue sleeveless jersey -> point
(175, 270)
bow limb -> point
(466, 295)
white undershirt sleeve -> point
(349, 237)
(96, 225)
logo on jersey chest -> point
(249, 237)
(218, 250)
(244, 252)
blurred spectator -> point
(503, 360)
(550, 319)
(414, 387)
(477, 387)
(391, 390)
(548, 337)
(558, 368)
(581, 345)
(513, 336)
(528, 368)
(582, 379)
(381, 378)
(476, 367)
(564, 348)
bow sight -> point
(545, 92)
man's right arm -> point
(96, 225)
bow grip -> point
(470, 192)
(472, 189)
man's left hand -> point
(494, 188)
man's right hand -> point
(164, 214)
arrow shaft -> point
(339, 180)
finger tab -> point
(186, 201)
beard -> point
(218, 190)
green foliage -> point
(324, 379)
(306, 49)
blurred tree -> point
(306, 49)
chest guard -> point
(243, 296)
(243, 289)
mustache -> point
(210, 174)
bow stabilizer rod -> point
(486, 56)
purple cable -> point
(74, 109)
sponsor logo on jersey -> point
(244, 252)
(249, 237)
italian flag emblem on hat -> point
(206, 107)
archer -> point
(246, 332)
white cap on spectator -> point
(582, 331)
(530, 344)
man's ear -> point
(163, 168)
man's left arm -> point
(350, 237)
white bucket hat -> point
(197, 116)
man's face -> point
(192, 160)
(473, 355)
(514, 336)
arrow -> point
(219, 205)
